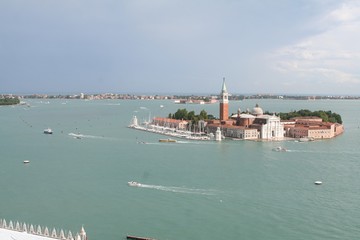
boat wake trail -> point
(79, 136)
(180, 189)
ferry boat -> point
(134, 184)
(168, 140)
(48, 131)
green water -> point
(193, 190)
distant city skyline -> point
(180, 47)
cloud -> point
(346, 12)
(332, 55)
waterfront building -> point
(312, 128)
(252, 125)
(249, 125)
(170, 123)
(269, 126)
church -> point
(245, 125)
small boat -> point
(318, 182)
(280, 149)
(134, 184)
(168, 140)
(306, 139)
(138, 238)
(26, 161)
(48, 131)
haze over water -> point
(191, 190)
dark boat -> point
(48, 131)
(138, 238)
(168, 140)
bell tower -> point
(224, 103)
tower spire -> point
(224, 90)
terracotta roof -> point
(169, 120)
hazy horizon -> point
(174, 94)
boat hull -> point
(168, 140)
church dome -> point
(257, 111)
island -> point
(255, 124)
(9, 100)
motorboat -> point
(306, 139)
(48, 131)
(134, 184)
(280, 149)
(168, 140)
(318, 182)
(26, 161)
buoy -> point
(318, 182)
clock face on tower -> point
(224, 97)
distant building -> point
(254, 125)
(170, 123)
(312, 127)
(269, 127)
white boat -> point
(48, 131)
(280, 149)
(26, 161)
(318, 182)
(134, 184)
(306, 139)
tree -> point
(181, 114)
(203, 115)
(9, 101)
(326, 116)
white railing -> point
(41, 231)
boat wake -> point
(180, 189)
(79, 136)
(113, 104)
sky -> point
(180, 46)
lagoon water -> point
(192, 190)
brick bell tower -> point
(224, 103)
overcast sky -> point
(180, 46)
